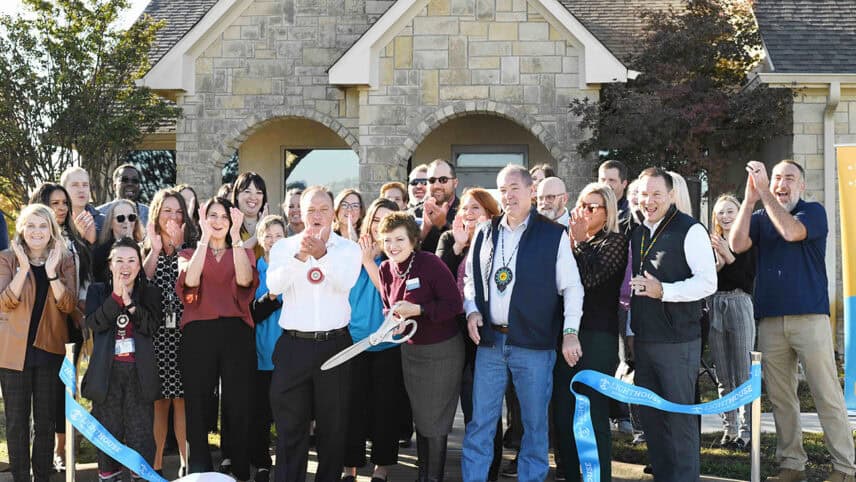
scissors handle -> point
(406, 336)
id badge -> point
(412, 284)
(125, 346)
(170, 321)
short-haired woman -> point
(732, 320)
(38, 290)
(168, 232)
(216, 283)
(396, 192)
(121, 220)
(249, 194)
(600, 251)
(417, 285)
(122, 378)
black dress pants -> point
(211, 350)
(298, 389)
(261, 419)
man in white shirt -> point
(673, 272)
(314, 271)
(552, 197)
(522, 292)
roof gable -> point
(180, 17)
(808, 36)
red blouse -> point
(218, 295)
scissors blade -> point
(346, 354)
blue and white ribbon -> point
(627, 393)
(90, 428)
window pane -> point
(335, 168)
(489, 159)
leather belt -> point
(317, 335)
(500, 328)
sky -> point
(15, 7)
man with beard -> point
(126, 185)
(792, 304)
(673, 272)
(552, 200)
(441, 203)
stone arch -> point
(258, 120)
(457, 109)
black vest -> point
(536, 310)
(653, 320)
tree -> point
(691, 108)
(68, 92)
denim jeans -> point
(532, 375)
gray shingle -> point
(180, 17)
(809, 36)
(617, 23)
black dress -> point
(168, 336)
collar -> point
(652, 228)
(504, 223)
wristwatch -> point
(239, 244)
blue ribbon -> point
(89, 427)
(627, 393)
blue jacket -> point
(266, 317)
(366, 309)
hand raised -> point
(154, 237)
(204, 227)
(237, 223)
(578, 226)
(460, 232)
(52, 263)
(21, 255)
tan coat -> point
(15, 313)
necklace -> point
(217, 251)
(504, 275)
(407, 271)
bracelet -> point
(239, 244)
(56, 277)
(570, 331)
(130, 305)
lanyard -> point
(643, 253)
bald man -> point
(552, 196)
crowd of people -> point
(513, 292)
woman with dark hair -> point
(416, 284)
(377, 386)
(216, 283)
(250, 196)
(56, 197)
(349, 210)
(122, 378)
(191, 201)
(38, 291)
(168, 232)
(121, 220)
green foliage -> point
(690, 108)
(67, 91)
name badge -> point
(170, 321)
(124, 347)
(412, 284)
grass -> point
(734, 464)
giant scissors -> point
(386, 333)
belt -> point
(317, 335)
(500, 328)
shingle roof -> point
(809, 36)
(617, 23)
(180, 17)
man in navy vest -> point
(792, 304)
(522, 291)
(673, 271)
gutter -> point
(829, 190)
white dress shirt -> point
(310, 306)
(568, 282)
(700, 259)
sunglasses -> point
(591, 208)
(131, 218)
(441, 179)
(130, 180)
(419, 182)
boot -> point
(422, 457)
(436, 458)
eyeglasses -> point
(548, 197)
(131, 218)
(591, 208)
(130, 180)
(419, 182)
(441, 179)
(350, 206)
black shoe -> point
(348, 478)
(378, 479)
(405, 443)
(510, 468)
(742, 445)
(649, 469)
(560, 474)
(225, 466)
(262, 475)
(159, 472)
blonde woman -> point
(38, 290)
(682, 194)
(732, 320)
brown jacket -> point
(15, 313)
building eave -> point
(806, 80)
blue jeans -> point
(532, 376)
